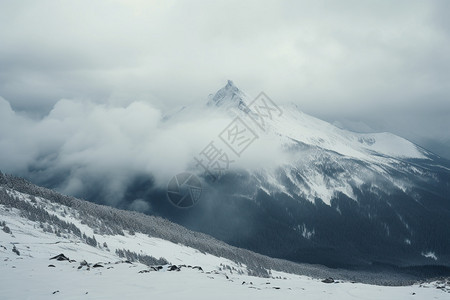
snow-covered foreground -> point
(31, 274)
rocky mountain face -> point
(327, 196)
(279, 182)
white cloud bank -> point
(80, 143)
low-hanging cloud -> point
(80, 143)
(381, 63)
(119, 65)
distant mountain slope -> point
(70, 220)
(292, 123)
(303, 190)
(67, 214)
(69, 248)
(326, 195)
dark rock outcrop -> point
(60, 257)
(328, 280)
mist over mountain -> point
(68, 247)
(289, 140)
(385, 65)
(294, 187)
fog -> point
(85, 85)
(81, 143)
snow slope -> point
(295, 124)
(308, 191)
(26, 271)
(381, 153)
(309, 130)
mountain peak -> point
(229, 96)
(230, 84)
(229, 92)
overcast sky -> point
(371, 65)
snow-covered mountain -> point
(323, 194)
(330, 145)
(61, 247)
(292, 123)
(294, 188)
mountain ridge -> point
(304, 191)
(67, 252)
(63, 214)
(324, 178)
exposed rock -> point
(328, 280)
(173, 268)
(14, 249)
(60, 257)
(198, 267)
(84, 263)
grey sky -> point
(378, 65)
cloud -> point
(383, 64)
(113, 153)
(81, 143)
(140, 206)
